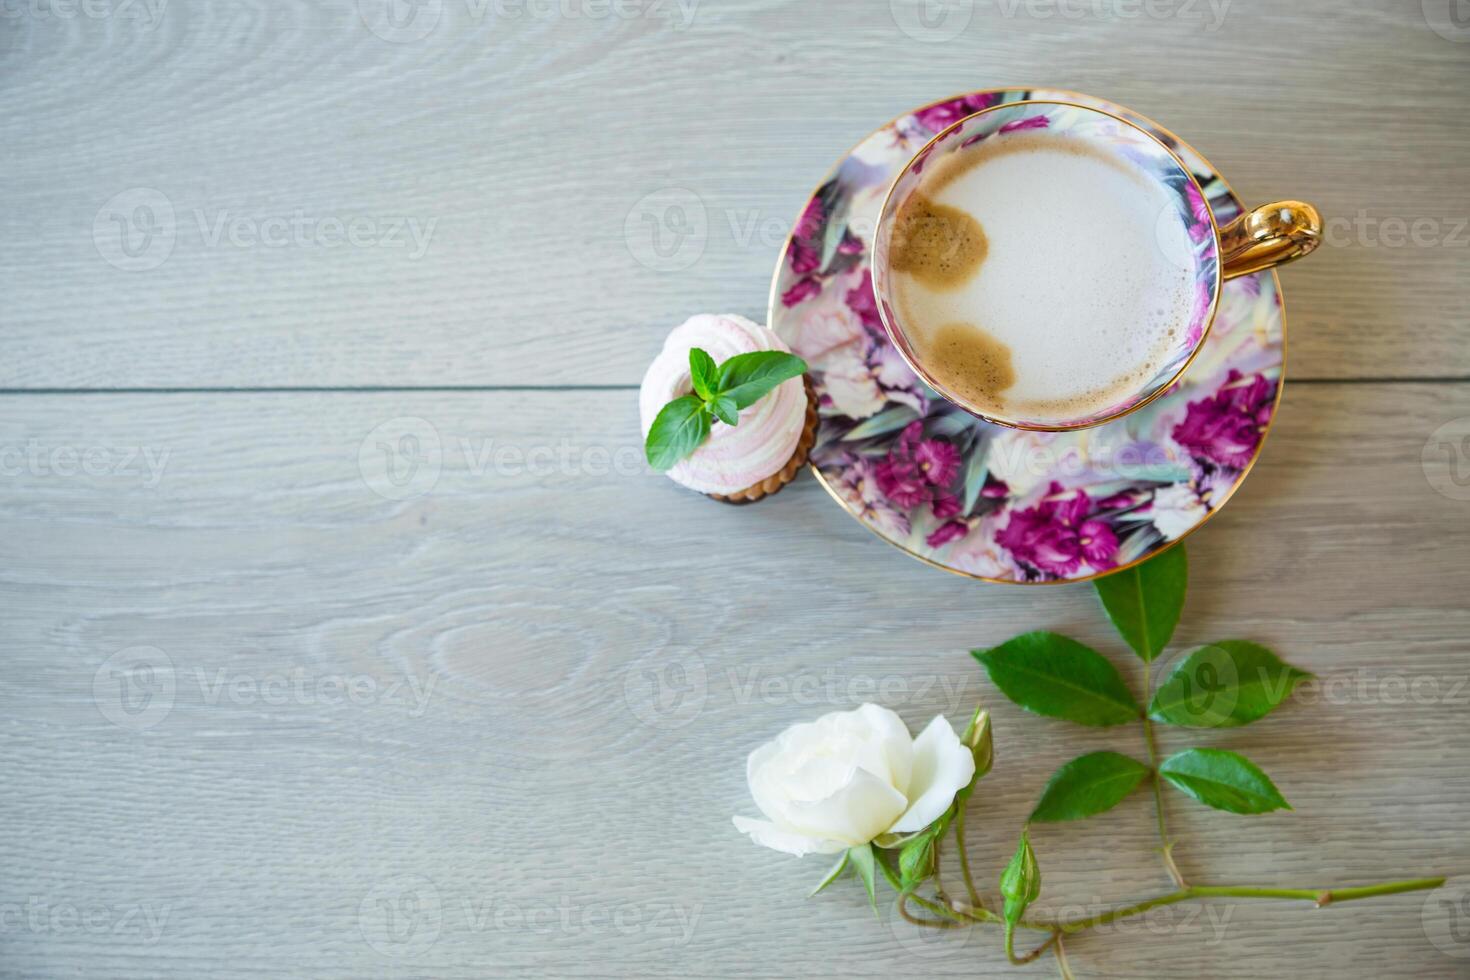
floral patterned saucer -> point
(986, 501)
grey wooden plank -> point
(525, 698)
(525, 150)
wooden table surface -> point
(276, 704)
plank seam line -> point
(490, 389)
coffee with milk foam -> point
(1037, 276)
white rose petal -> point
(942, 767)
(863, 807)
(767, 834)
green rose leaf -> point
(703, 373)
(1020, 883)
(1223, 780)
(1225, 685)
(747, 378)
(1050, 674)
(861, 859)
(832, 875)
(724, 408)
(1088, 785)
(1144, 601)
(680, 428)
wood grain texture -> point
(514, 708)
(524, 147)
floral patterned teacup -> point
(1267, 236)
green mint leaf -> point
(1223, 780)
(1144, 601)
(748, 378)
(724, 408)
(1088, 785)
(1020, 883)
(862, 861)
(832, 875)
(680, 428)
(1224, 685)
(1050, 674)
(703, 373)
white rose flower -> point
(850, 777)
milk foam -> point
(1078, 283)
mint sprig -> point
(720, 392)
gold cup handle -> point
(1272, 234)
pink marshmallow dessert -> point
(745, 462)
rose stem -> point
(1157, 781)
(1322, 896)
(1023, 960)
(939, 881)
(959, 840)
(1063, 967)
(935, 907)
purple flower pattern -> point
(1226, 428)
(1061, 534)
